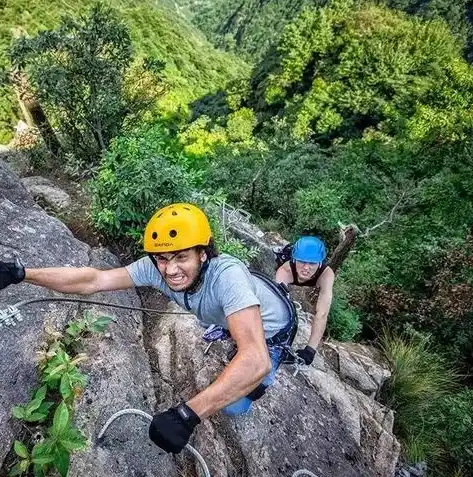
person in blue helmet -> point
(306, 267)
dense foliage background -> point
(308, 115)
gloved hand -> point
(10, 273)
(172, 429)
(307, 354)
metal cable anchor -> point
(10, 316)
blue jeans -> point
(243, 405)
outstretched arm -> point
(172, 429)
(81, 281)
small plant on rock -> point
(61, 384)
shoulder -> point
(225, 267)
(142, 265)
(284, 274)
(327, 278)
(231, 284)
(144, 273)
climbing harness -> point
(215, 333)
(192, 450)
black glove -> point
(307, 354)
(10, 273)
(172, 429)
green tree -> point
(456, 14)
(77, 72)
(345, 69)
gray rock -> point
(118, 368)
(239, 225)
(312, 421)
(12, 189)
(406, 470)
(46, 193)
(18, 161)
(28, 233)
(119, 378)
(360, 366)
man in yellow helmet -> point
(183, 263)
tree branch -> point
(388, 219)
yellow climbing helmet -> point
(177, 227)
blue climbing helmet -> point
(309, 249)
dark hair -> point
(211, 249)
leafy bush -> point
(53, 452)
(265, 177)
(201, 137)
(141, 173)
(62, 383)
(453, 423)
(36, 410)
(205, 137)
(344, 322)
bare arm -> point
(324, 302)
(284, 274)
(246, 370)
(80, 281)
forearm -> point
(64, 279)
(238, 379)
(318, 327)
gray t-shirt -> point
(228, 287)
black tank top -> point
(312, 281)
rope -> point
(147, 416)
(12, 313)
(303, 472)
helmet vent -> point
(174, 212)
(186, 208)
(155, 235)
(172, 233)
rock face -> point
(11, 188)
(252, 236)
(313, 420)
(18, 161)
(346, 384)
(360, 366)
(119, 372)
(46, 193)
(323, 419)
